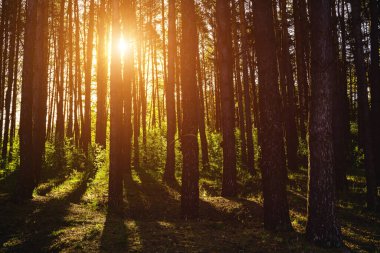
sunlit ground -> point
(70, 215)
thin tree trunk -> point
(169, 174)
(86, 133)
(375, 83)
(247, 97)
(289, 99)
(363, 105)
(102, 74)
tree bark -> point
(273, 163)
(375, 83)
(102, 75)
(291, 134)
(321, 225)
(225, 67)
(86, 133)
(115, 196)
(363, 105)
(27, 175)
(190, 173)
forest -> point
(189, 126)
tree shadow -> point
(155, 206)
(114, 235)
(41, 221)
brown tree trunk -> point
(273, 163)
(201, 113)
(128, 76)
(321, 225)
(86, 133)
(247, 97)
(190, 173)
(15, 84)
(169, 174)
(8, 96)
(291, 134)
(363, 105)
(301, 37)
(238, 87)
(27, 175)
(102, 75)
(40, 84)
(115, 195)
(341, 127)
(70, 94)
(375, 83)
(225, 67)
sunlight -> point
(125, 46)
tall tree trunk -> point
(225, 67)
(128, 75)
(363, 105)
(15, 83)
(190, 172)
(78, 79)
(273, 163)
(102, 69)
(70, 94)
(40, 84)
(289, 99)
(86, 133)
(201, 113)
(8, 96)
(27, 175)
(341, 127)
(301, 37)
(375, 83)
(115, 196)
(238, 87)
(169, 174)
(321, 225)
(60, 124)
(247, 97)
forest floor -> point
(70, 215)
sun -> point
(125, 46)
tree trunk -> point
(291, 134)
(247, 97)
(190, 173)
(363, 105)
(27, 175)
(201, 113)
(60, 124)
(169, 175)
(115, 196)
(273, 163)
(40, 84)
(301, 37)
(8, 95)
(225, 67)
(86, 133)
(321, 225)
(127, 88)
(375, 83)
(102, 75)
(238, 87)
(341, 127)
